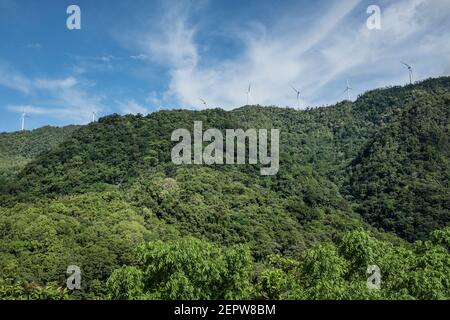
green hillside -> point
(19, 148)
(360, 183)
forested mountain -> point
(19, 148)
(360, 183)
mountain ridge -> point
(118, 149)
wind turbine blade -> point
(204, 102)
(407, 65)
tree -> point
(185, 269)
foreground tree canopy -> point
(360, 184)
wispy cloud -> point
(12, 79)
(34, 46)
(96, 63)
(317, 59)
(57, 113)
(64, 99)
(55, 84)
(140, 56)
(132, 107)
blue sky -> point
(140, 56)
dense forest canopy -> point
(360, 183)
(19, 148)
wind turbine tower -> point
(93, 116)
(410, 72)
(24, 115)
(249, 92)
(347, 89)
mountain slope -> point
(385, 155)
(401, 177)
(19, 148)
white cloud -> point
(55, 84)
(139, 57)
(132, 107)
(30, 109)
(272, 62)
(175, 43)
(317, 59)
(13, 79)
(70, 105)
(34, 46)
(96, 63)
(65, 98)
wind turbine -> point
(347, 89)
(23, 116)
(298, 95)
(249, 92)
(410, 71)
(204, 103)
